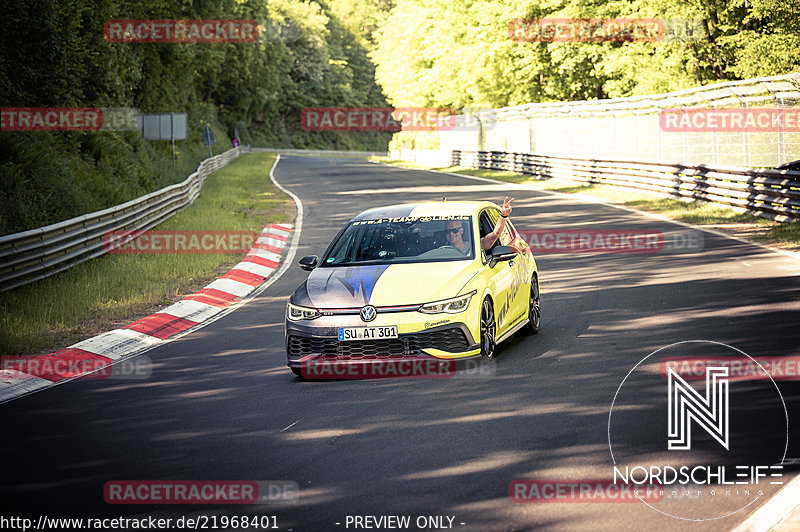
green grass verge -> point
(113, 290)
(784, 235)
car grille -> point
(452, 340)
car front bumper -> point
(308, 342)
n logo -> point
(685, 404)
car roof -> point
(432, 208)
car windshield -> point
(403, 240)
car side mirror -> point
(501, 254)
(309, 263)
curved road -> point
(221, 404)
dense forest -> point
(318, 53)
(53, 54)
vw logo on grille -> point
(368, 313)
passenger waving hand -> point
(488, 241)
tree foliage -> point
(53, 54)
(460, 54)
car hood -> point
(381, 285)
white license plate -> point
(367, 333)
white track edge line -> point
(775, 510)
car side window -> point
(486, 225)
(506, 237)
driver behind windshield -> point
(455, 236)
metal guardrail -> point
(767, 193)
(31, 255)
(323, 153)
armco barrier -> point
(31, 255)
(323, 153)
(764, 192)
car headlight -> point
(296, 313)
(450, 306)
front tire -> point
(534, 309)
(488, 329)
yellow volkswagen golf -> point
(412, 282)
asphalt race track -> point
(222, 405)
